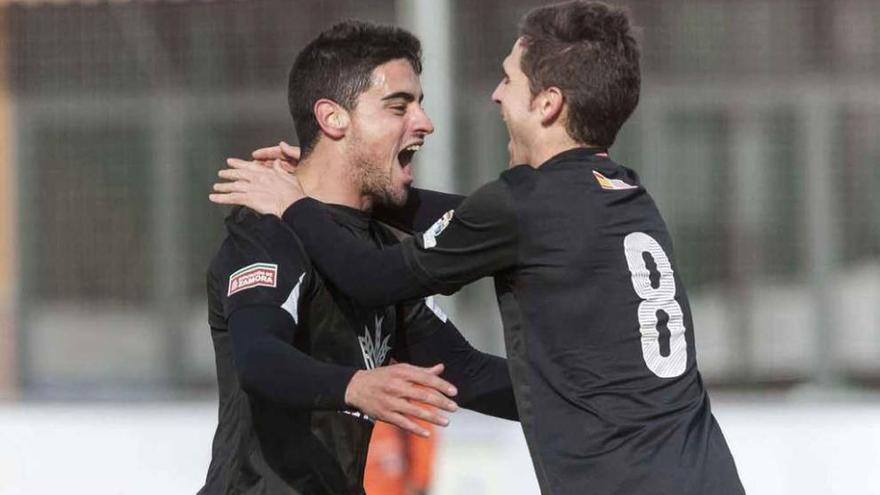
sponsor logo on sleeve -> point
(256, 275)
(612, 184)
(429, 238)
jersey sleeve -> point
(422, 208)
(477, 239)
(269, 366)
(264, 276)
(429, 338)
(264, 266)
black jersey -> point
(263, 446)
(597, 325)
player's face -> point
(515, 99)
(388, 126)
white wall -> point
(802, 447)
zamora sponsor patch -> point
(256, 275)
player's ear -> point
(551, 103)
(332, 118)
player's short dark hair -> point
(337, 65)
(588, 51)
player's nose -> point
(496, 95)
(423, 124)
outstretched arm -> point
(371, 276)
(422, 206)
(482, 379)
(478, 239)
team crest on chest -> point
(374, 346)
(256, 275)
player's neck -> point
(551, 142)
(326, 176)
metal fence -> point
(757, 134)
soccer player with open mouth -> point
(304, 370)
(597, 324)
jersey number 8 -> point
(662, 298)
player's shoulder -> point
(260, 262)
(494, 194)
(610, 176)
(254, 238)
(517, 175)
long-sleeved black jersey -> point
(287, 344)
(598, 329)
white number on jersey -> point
(653, 300)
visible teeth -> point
(413, 147)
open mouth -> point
(406, 155)
(405, 158)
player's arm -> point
(483, 380)
(270, 367)
(423, 207)
(265, 273)
(267, 277)
(478, 240)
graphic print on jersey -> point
(373, 346)
(657, 299)
(291, 305)
(429, 238)
(612, 184)
(255, 275)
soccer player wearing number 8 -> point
(598, 329)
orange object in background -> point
(398, 462)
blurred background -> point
(758, 134)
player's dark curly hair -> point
(588, 51)
(337, 65)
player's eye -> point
(399, 109)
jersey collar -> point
(577, 155)
(349, 216)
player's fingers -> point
(238, 163)
(430, 397)
(415, 411)
(285, 169)
(437, 369)
(407, 424)
(269, 153)
(292, 153)
(228, 187)
(225, 198)
(236, 174)
(424, 377)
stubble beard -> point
(373, 179)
